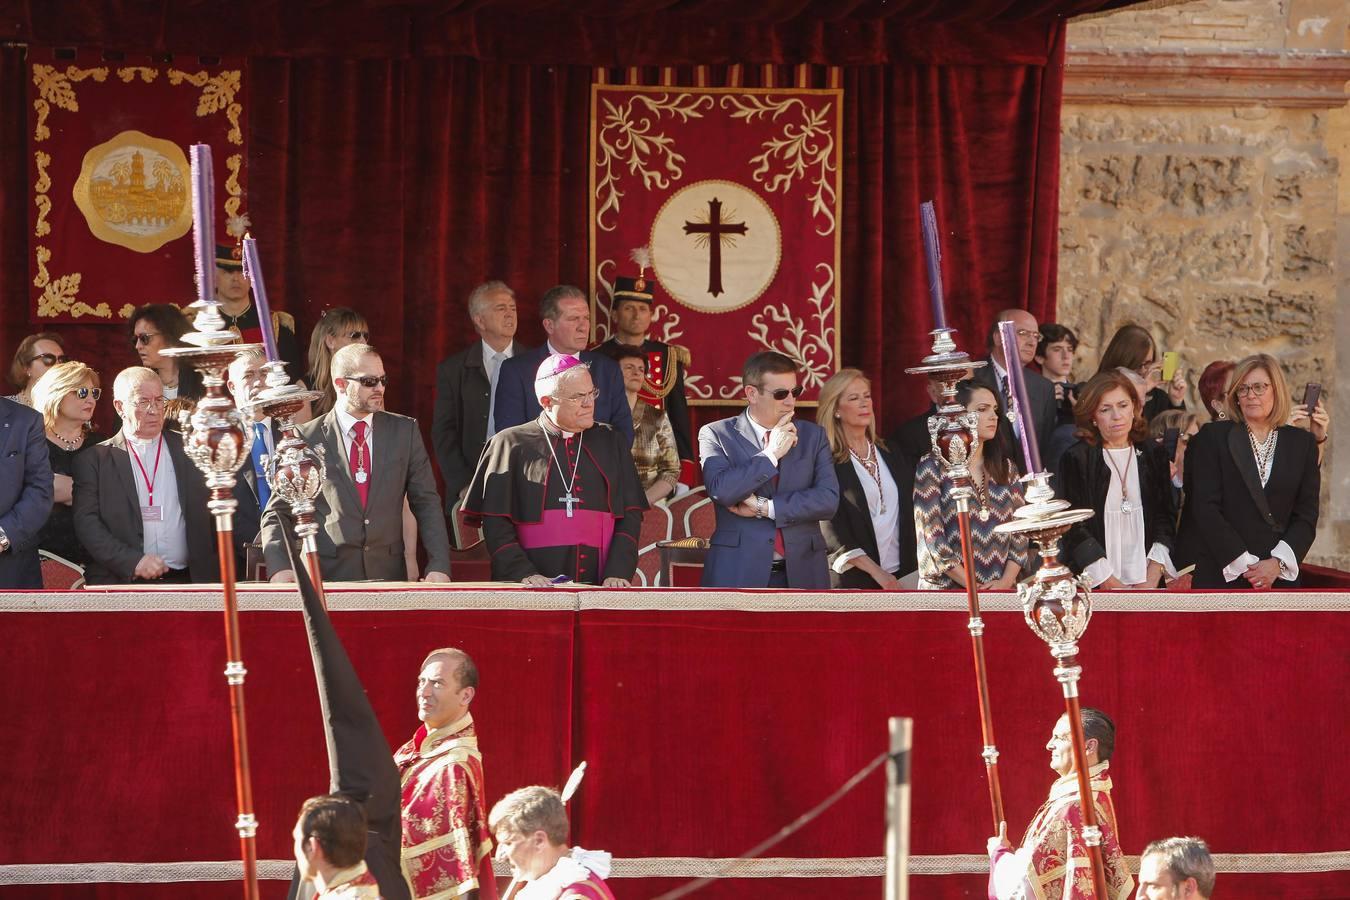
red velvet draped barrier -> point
(705, 731)
(397, 160)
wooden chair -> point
(466, 537)
(688, 551)
(59, 573)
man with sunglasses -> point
(376, 460)
(773, 483)
(140, 504)
(559, 498)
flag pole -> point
(897, 809)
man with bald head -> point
(447, 848)
(375, 459)
(559, 497)
(1040, 392)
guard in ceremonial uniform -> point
(631, 316)
(241, 316)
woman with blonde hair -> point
(66, 396)
(1253, 482)
(870, 538)
(335, 329)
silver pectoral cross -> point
(570, 500)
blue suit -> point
(806, 494)
(25, 493)
(516, 403)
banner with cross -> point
(735, 193)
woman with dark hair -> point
(998, 557)
(1253, 483)
(335, 329)
(156, 327)
(36, 354)
(1213, 386)
(1125, 479)
(1132, 347)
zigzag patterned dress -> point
(939, 537)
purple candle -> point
(932, 252)
(1031, 453)
(203, 225)
(253, 272)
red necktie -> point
(778, 532)
(358, 461)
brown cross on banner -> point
(714, 228)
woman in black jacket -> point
(1123, 476)
(1253, 482)
(871, 537)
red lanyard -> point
(149, 479)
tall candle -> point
(932, 252)
(253, 273)
(1031, 452)
(203, 225)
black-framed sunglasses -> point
(143, 339)
(782, 393)
(370, 381)
(84, 393)
(48, 359)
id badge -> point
(152, 513)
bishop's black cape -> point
(361, 765)
(516, 491)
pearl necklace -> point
(69, 444)
(873, 467)
(1264, 451)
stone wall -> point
(1202, 189)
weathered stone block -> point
(1306, 254)
(1246, 320)
(1207, 184)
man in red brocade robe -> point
(447, 849)
(1053, 863)
(330, 846)
(531, 829)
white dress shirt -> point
(165, 536)
(761, 437)
(492, 364)
(346, 423)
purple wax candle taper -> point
(203, 225)
(932, 252)
(253, 274)
(1031, 451)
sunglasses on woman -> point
(143, 339)
(359, 337)
(85, 393)
(782, 393)
(369, 381)
(48, 359)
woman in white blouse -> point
(871, 537)
(1123, 477)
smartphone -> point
(1170, 360)
(1311, 394)
(1170, 439)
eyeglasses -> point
(143, 339)
(781, 393)
(585, 399)
(145, 403)
(84, 393)
(1256, 390)
(48, 359)
(361, 336)
(369, 381)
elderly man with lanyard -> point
(559, 498)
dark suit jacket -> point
(806, 494)
(912, 439)
(1041, 396)
(851, 528)
(1085, 478)
(517, 404)
(358, 544)
(108, 512)
(459, 428)
(1233, 514)
(25, 493)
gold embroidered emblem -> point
(133, 192)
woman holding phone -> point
(1132, 347)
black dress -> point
(58, 535)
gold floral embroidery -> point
(128, 74)
(217, 93)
